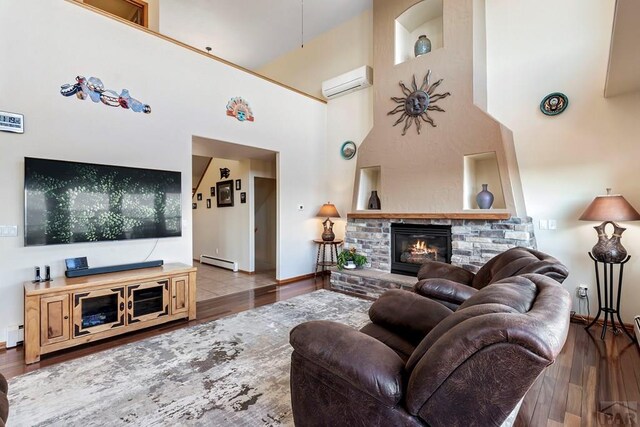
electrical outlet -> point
(582, 291)
(553, 224)
(544, 224)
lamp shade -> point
(328, 210)
(610, 208)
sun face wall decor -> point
(239, 108)
(417, 103)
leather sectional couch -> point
(4, 401)
(470, 367)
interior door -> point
(265, 214)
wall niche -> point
(423, 18)
(482, 168)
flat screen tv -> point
(70, 202)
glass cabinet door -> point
(98, 311)
(147, 301)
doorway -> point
(265, 214)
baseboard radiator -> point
(636, 326)
(219, 262)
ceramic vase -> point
(609, 249)
(484, 198)
(422, 46)
(374, 201)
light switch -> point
(8, 231)
(544, 224)
(553, 224)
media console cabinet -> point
(72, 311)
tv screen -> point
(70, 202)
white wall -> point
(350, 117)
(342, 49)
(223, 232)
(536, 47)
(56, 40)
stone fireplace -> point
(475, 239)
(414, 244)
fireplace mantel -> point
(451, 215)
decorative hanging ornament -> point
(417, 103)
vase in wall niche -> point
(484, 198)
(422, 46)
(374, 201)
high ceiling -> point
(252, 33)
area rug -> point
(228, 372)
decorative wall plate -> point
(554, 104)
(348, 150)
(239, 108)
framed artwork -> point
(225, 193)
(194, 205)
(238, 185)
(199, 197)
(208, 203)
(243, 197)
(213, 191)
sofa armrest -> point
(442, 270)
(407, 314)
(362, 361)
(444, 290)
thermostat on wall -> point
(11, 122)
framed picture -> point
(199, 197)
(213, 191)
(243, 197)
(225, 193)
(238, 185)
(194, 205)
(208, 203)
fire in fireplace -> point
(413, 244)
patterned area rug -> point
(232, 371)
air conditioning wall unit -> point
(357, 79)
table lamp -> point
(328, 210)
(609, 208)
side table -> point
(607, 290)
(321, 259)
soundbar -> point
(112, 268)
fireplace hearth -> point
(414, 244)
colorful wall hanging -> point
(94, 89)
(417, 103)
(239, 108)
(554, 104)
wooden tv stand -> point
(72, 311)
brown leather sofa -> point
(451, 285)
(4, 401)
(472, 368)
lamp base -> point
(328, 235)
(609, 249)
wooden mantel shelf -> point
(444, 215)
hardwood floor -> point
(593, 382)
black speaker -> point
(113, 268)
(37, 278)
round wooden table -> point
(321, 260)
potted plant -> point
(350, 259)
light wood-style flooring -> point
(593, 382)
(214, 282)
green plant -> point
(350, 255)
